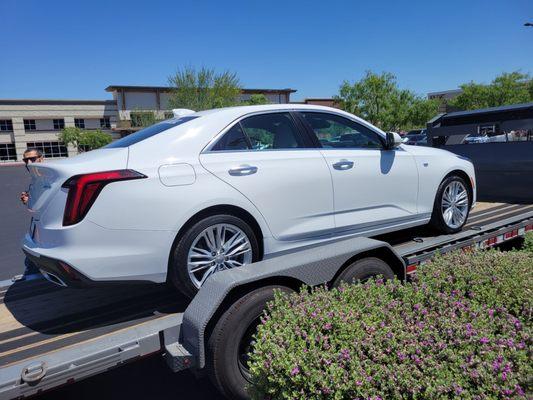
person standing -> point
(30, 156)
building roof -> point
(512, 107)
(29, 102)
(441, 92)
(113, 88)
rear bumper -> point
(56, 272)
(94, 255)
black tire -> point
(437, 222)
(362, 270)
(224, 364)
(177, 269)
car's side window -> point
(272, 131)
(333, 131)
(234, 139)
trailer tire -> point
(230, 337)
(362, 270)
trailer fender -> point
(312, 266)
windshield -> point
(149, 132)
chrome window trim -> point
(208, 148)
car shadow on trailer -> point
(40, 317)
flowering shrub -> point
(528, 242)
(433, 338)
(496, 279)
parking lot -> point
(147, 378)
(14, 220)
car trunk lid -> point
(48, 177)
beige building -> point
(444, 97)
(36, 123)
(136, 103)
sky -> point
(75, 49)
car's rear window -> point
(149, 132)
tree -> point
(203, 89)
(84, 140)
(378, 99)
(70, 135)
(91, 140)
(256, 100)
(507, 88)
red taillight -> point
(84, 189)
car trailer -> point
(51, 336)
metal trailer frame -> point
(181, 336)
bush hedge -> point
(461, 329)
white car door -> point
(264, 156)
(374, 188)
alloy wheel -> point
(216, 248)
(454, 204)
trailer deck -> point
(68, 334)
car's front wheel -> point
(211, 245)
(452, 205)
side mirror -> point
(393, 140)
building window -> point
(105, 123)
(8, 152)
(29, 125)
(50, 149)
(79, 123)
(6, 125)
(59, 124)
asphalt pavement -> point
(14, 219)
(142, 379)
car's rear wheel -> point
(211, 245)
(452, 205)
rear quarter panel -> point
(433, 165)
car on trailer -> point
(218, 189)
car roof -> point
(231, 113)
(266, 107)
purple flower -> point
(484, 340)
(295, 371)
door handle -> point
(242, 170)
(343, 165)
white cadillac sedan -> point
(217, 189)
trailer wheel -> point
(231, 341)
(362, 270)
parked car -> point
(417, 140)
(476, 138)
(218, 189)
(413, 133)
